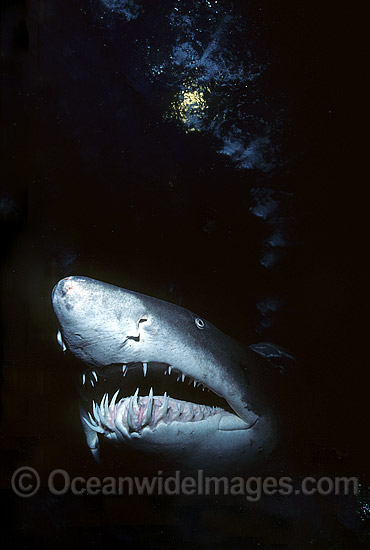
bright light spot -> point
(189, 105)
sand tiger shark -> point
(156, 378)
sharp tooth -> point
(169, 370)
(92, 420)
(131, 415)
(92, 383)
(100, 410)
(101, 416)
(95, 411)
(165, 372)
(101, 406)
(162, 412)
(195, 384)
(124, 370)
(122, 431)
(149, 408)
(106, 405)
(178, 378)
(60, 341)
(165, 400)
(113, 402)
(98, 414)
(136, 396)
(97, 429)
(202, 388)
(83, 379)
(94, 375)
(183, 377)
(145, 368)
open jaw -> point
(129, 401)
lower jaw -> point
(187, 430)
(184, 446)
(131, 415)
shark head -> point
(156, 378)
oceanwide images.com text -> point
(26, 482)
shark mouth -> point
(125, 412)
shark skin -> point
(157, 379)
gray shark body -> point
(158, 379)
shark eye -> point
(199, 323)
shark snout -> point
(71, 291)
(61, 289)
(67, 286)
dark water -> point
(197, 152)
